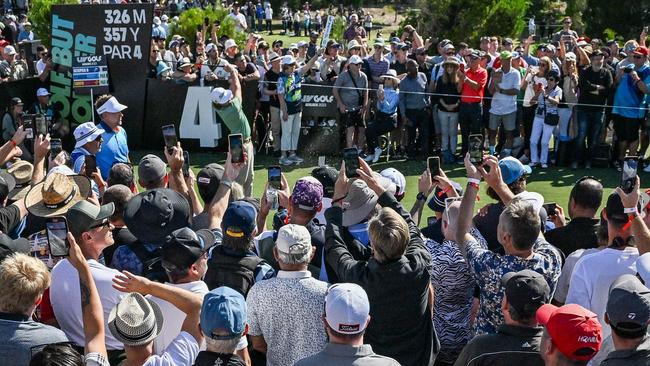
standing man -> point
(227, 104)
(595, 83)
(350, 91)
(239, 18)
(412, 107)
(115, 147)
(472, 83)
(271, 89)
(504, 88)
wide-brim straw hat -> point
(56, 194)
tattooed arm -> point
(91, 307)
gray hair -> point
(521, 221)
(286, 258)
(225, 346)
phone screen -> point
(186, 164)
(628, 175)
(55, 147)
(351, 158)
(433, 163)
(57, 231)
(275, 178)
(236, 148)
(28, 125)
(40, 123)
(169, 134)
(550, 208)
(90, 161)
(476, 149)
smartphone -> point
(40, 124)
(55, 147)
(235, 146)
(186, 164)
(206, 21)
(351, 158)
(628, 175)
(551, 208)
(28, 125)
(275, 177)
(56, 229)
(476, 149)
(433, 163)
(90, 162)
(169, 134)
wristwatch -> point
(421, 197)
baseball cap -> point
(574, 330)
(443, 43)
(301, 44)
(288, 60)
(534, 198)
(448, 46)
(313, 34)
(526, 290)
(277, 42)
(395, 40)
(504, 55)
(10, 246)
(515, 54)
(327, 176)
(353, 44)
(42, 92)
(355, 60)
(397, 178)
(156, 20)
(378, 42)
(7, 184)
(111, 106)
(210, 47)
(437, 201)
(239, 219)
(639, 50)
(229, 43)
(151, 169)
(507, 41)
(293, 46)
(307, 194)
(223, 314)
(347, 308)
(512, 169)
(16, 101)
(85, 133)
(184, 246)
(628, 305)
(475, 54)
(208, 179)
(83, 216)
(9, 50)
(293, 239)
(615, 210)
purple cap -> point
(307, 194)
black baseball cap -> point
(9, 246)
(7, 184)
(327, 176)
(185, 246)
(615, 210)
(208, 180)
(628, 305)
(526, 290)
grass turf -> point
(554, 183)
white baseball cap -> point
(220, 95)
(229, 43)
(164, 18)
(288, 60)
(355, 60)
(347, 308)
(9, 50)
(396, 177)
(156, 20)
(210, 47)
(85, 133)
(111, 106)
(41, 92)
(293, 239)
(535, 199)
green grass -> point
(554, 183)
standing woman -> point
(535, 76)
(569, 85)
(546, 118)
(11, 120)
(447, 86)
(289, 91)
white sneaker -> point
(285, 161)
(295, 158)
(378, 152)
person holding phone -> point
(115, 146)
(386, 115)
(228, 105)
(88, 142)
(11, 120)
(547, 100)
(290, 96)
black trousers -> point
(418, 120)
(383, 123)
(469, 118)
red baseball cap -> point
(642, 51)
(575, 331)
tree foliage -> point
(40, 15)
(468, 20)
(626, 18)
(191, 19)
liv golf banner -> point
(122, 34)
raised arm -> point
(639, 228)
(466, 209)
(41, 148)
(235, 85)
(219, 203)
(494, 179)
(175, 160)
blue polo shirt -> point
(629, 95)
(115, 148)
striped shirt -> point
(377, 68)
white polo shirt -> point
(594, 274)
(503, 104)
(182, 351)
(65, 297)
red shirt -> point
(469, 95)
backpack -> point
(151, 262)
(236, 272)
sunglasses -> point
(104, 223)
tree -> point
(627, 19)
(468, 20)
(40, 15)
(191, 19)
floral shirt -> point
(290, 87)
(453, 285)
(488, 268)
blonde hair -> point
(547, 62)
(389, 235)
(24, 279)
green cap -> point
(505, 55)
